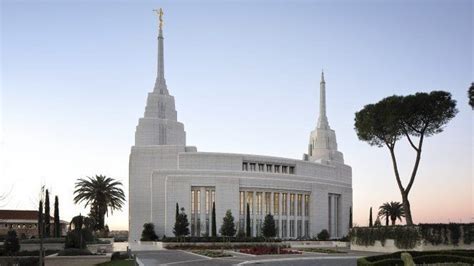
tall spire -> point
(323, 120)
(160, 83)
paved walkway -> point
(180, 257)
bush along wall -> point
(407, 237)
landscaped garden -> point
(268, 250)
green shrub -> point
(420, 257)
(74, 252)
(323, 235)
(119, 256)
(45, 240)
(11, 244)
(385, 262)
(443, 259)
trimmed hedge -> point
(407, 237)
(74, 252)
(442, 259)
(45, 240)
(420, 257)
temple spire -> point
(323, 120)
(160, 84)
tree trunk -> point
(406, 207)
(393, 221)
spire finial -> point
(160, 13)
(322, 75)
(160, 84)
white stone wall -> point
(177, 188)
(143, 160)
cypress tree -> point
(47, 216)
(214, 228)
(177, 212)
(269, 227)
(57, 223)
(181, 226)
(248, 231)
(350, 217)
(40, 219)
(228, 226)
(370, 218)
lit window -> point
(276, 206)
(198, 201)
(207, 201)
(242, 204)
(250, 201)
(268, 196)
(306, 205)
(300, 204)
(259, 203)
(192, 202)
(292, 204)
(284, 207)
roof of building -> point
(18, 215)
(23, 215)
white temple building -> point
(305, 196)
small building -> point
(25, 223)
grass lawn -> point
(118, 263)
(321, 250)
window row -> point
(271, 168)
(263, 204)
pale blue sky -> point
(245, 75)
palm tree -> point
(392, 210)
(100, 193)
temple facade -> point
(305, 196)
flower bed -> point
(212, 253)
(219, 245)
(321, 250)
(268, 250)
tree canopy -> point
(415, 117)
(269, 227)
(228, 225)
(392, 211)
(100, 193)
(181, 226)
